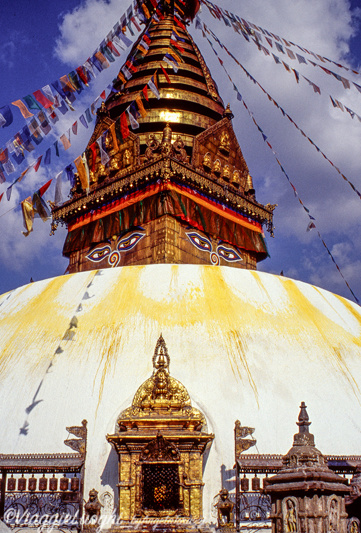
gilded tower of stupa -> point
(174, 187)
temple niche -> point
(160, 442)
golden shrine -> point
(161, 444)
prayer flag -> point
(83, 177)
(103, 60)
(58, 197)
(44, 188)
(28, 215)
(124, 129)
(114, 137)
(113, 49)
(42, 99)
(1, 196)
(8, 193)
(82, 75)
(66, 84)
(47, 159)
(94, 155)
(6, 116)
(70, 174)
(170, 63)
(165, 74)
(56, 146)
(23, 109)
(145, 92)
(140, 105)
(133, 122)
(103, 155)
(31, 103)
(65, 141)
(75, 80)
(74, 128)
(37, 164)
(88, 115)
(44, 124)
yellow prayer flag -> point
(28, 215)
(146, 12)
(140, 105)
(23, 109)
(83, 175)
(114, 137)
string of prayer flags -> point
(271, 99)
(265, 139)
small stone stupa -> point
(306, 496)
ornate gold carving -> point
(159, 450)
(217, 167)
(152, 146)
(236, 178)
(178, 150)
(127, 158)
(161, 392)
(207, 161)
(160, 443)
(225, 142)
(226, 173)
(207, 75)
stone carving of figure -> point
(224, 510)
(290, 518)
(225, 142)
(333, 517)
(93, 506)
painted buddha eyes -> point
(228, 254)
(204, 244)
(123, 245)
(98, 254)
(129, 242)
(200, 242)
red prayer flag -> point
(124, 129)
(44, 188)
(82, 75)
(145, 92)
(94, 154)
(165, 74)
(179, 23)
(1, 196)
(102, 95)
(37, 164)
(176, 45)
(42, 99)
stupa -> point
(163, 245)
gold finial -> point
(161, 358)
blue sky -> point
(41, 41)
